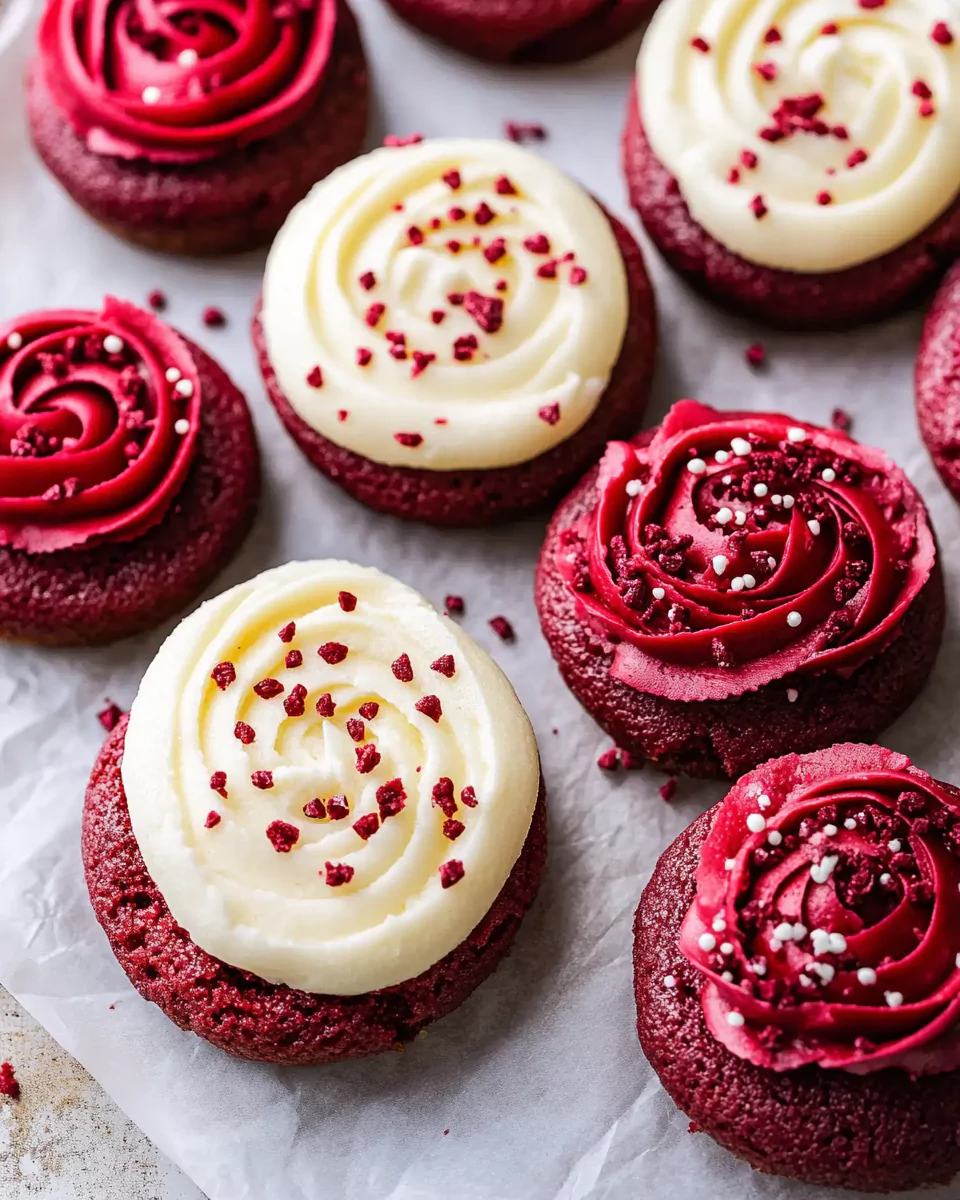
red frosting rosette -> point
(178, 82)
(99, 415)
(733, 549)
(827, 917)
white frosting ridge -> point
(275, 913)
(527, 387)
(885, 77)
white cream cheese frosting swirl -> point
(807, 135)
(448, 305)
(429, 761)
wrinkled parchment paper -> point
(538, 1078)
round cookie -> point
(475, 329)
(410, 885)
(783, 1103)
(132, 474)
(816, 217)
(937, 394)
(227, 144)
(728, 680)
(526, 31)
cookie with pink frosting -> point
(797, 970)
(196, 129)
(129, 473)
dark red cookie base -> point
(97, 595)
(938, 382)
(717, 739)
(526, 31)
(224, 205)
(786, 299)
(477, 498)
(878, 1132)
(241, 1013)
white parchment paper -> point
(538, 1078)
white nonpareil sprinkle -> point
(792, 695)
(728, 479)
(669, 981)
(784, 932)
(740, 446)
(820, 872)
(799, 932)
(824, 970)
(867, 976)
(182, 426)
(894, 845)
(759, 967)
(850, 823)
(719, 925)
(760, 490)
(723, 515)
(958, 961)
(737, 1020)
(171, 374)
(729, 864)
(788, 502)
(763, 800)
(814, 527)
(796, 434)
(658, 593)
(741, 517)
(15, 341)
(112, 344)
(150, 95)
(775, 499)
(726, 948)
(756, 823)
(830, 830)
(737, 584)
(634, 487)
(806, 981)
(696, 466)
(749, 581)
(727, 977)
(771, 562)
(722, 456)
(188, 58)
(775, 837)
(885, 878)
(794, 619)
(894, 999)
(828, 475)
(720, 563)
(184, 387)
(775, 944)
(706, 941)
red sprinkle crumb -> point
(547, 270)
(550, 413)
(282, 837)
(8, 1082)
(213, 820)
(631, 761)
(445, 665)
(824, 198)
(109, 716)
(926, 109)
(295, 703)
(367, 825)
(487, 311)
(733, 175)
(157, 300)
(868, 4)
(766, 70)
(214, 318)
(374, 313)
(456, 213)
(218, 783)
(941, 34)
(421, 360)
(451, 872)
(518, 131)
(758, 207)
(266, 689)
(609, 760)
(452, 829)
(454, 246)
(503, 629)
(469, 797)
(391, 799)
(333, 652)
(856, 158)
(841, 419)
(364, 356)
(402, 669)
(504, 187)
(223, 674)
(315, 809)
(669, 789)
(701, 44)
(922, 90)
(411, 440)
(342, 414)
(455, 298)
(294, 659)
(315, 378)
(356, 729)
(326, 706)
(347, 601)
(430, 707)
(454, 605)
(338, 873)
(755, 355)
(748, 159)
(830, 28)
(501, 285)
(438, 316)
(578, 276)
(443, 796)
(772, 35)
(396, 140)
(537, 243)
(368, 758)
(452, 180)
(244, 733)
(415, 236)
(262, 780)
(495, 251)
(338, 808)
(288, 633)
(368, 281)
(369, 710)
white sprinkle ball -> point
(728, 479)
(723, 515)
(806, 981)
(737, 584)
(171, 374)
(696, 466)
(799, 932)
(756, 823)
(788, 502)
(792, 695)
(737, 1020)
(820, 872)
(758, 968)
(749, 581)
(885, 878)
(719, 924)
(707, 941)
(150, 95)
(741, 447)
(720, 563)
(894, 999)
(184, 388)
(850, 823)
(867, 976)
(112, 344)
(814, 527)
(760, 490)
(794, 619)
(182, 426)
(830, 830)
(741, 517)
(894, 845)
(775, 499)
(775, 837)
(763, 800)
(795, 434)
(15, 341)
(188, 58)
(634, 487)
(828, 475)
(658, 593)
(775, 944)
(727, 977)
(722, 456)
(669, 981)
(729, 864)
(771, 562)
(784, 932)
(726, 948)
(838, 943)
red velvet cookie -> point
(485, 389)
(937, 374)
(796, 971)
(708, 641)
(131, 474)
(526, 31)
(196, 132)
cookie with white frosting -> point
(322, 823)
(451, 330)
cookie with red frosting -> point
(937, 387)
(129, 474)
(452, 330)
(526, 31)
(787, 203)
(734, 586)
(797, 971)
(195, 130)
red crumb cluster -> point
(110, 715)
(9, 1086)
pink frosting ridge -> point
(99, 414)
(730, 550)
(826, 923)
(176, 81)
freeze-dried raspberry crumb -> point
(367, 825)
(262, 780)
(213, 820)
(295, 704)
(630, 761)
(403, 669)
(244, 733)
(223, 674)
(484, 213)
(856, 158)
(356, 729)
(504, 187)
(288, 632)
(430, 707)
(578, 276)
(391, 799)
(394, 140)
(454, 605)
(315, 809)
(338, 808)
(369, 710)
(8, 1082)
(451, 872)
(537, 243)
(214, 318)
(374, 313)
(368, 758)
(333, 652)
(415, 236)
(547, 270)
(157, 300)
(364, 356)
(941, 34)
(326, 706)
(824, 198)
(347, 601)
(550, 413)
(487, 311)
(668, 791)
(840, 419)
(503, 629)
(315, 378)
(293, 659)
(109, 716)
(701, 44)
(282, 837)
(443, 796)
(438, 316)
(368, 281)
(495, 251)
(338, 873)
(410, 440)
(421, 360)
(758, 207)
(452, 180)
(755, 355)
(609, 760)
(452, 829)
(266, 689)
(445, 665)
(218, 783)
(524, 131)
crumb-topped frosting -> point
(734, 549)
(329, 782)
(827, 917)
(180, 82)
(805, 135)
(449, 304)
(99, 414)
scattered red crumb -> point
(443, 796)
(841, 419)
(364, 356)
(487, 311)
(356, 729)
(430, 707)
(368, 758)
(941, 34)
(326, 706)
(333, 652)
(218, 783)
(338, 873)
(469, 797)
(455, 605)
(755, 355)
(758, 207)
(501, 285)
(403, 669)
(445, 665)
(630, 761)
(374, 313)
(368, 281)
(367, 825)
(394, 140)
(244, 733)
(266, 689)
(868, 4)
(520, 131)
(391, 799)
(484, 213)
(495, 251)
(454, 246)
(282, 837)
(109, 716)
(288, 633)
(415, 236)
(412, 440)
(223, 674)
(456, 213)
(262, 780)
(421, 360)
(578, 276)
(453, 828)
(766, 70)
(369, 710)
(922, 90)
(733, 175)
(537, 243)
(455, 298)
(315, 809)
(347, 601)
(213, 820)
(157, 300)
(701, 44)
(547, 270)
(504, 187)
(549, 413)
(315, 378)
(451, 872)
(772, 35)
(693, 1127)
(8, 1082)
(438, 316)
(342, 414)
(830, 28)
(748, 159)
(856, 158)
(293, 659)
(503, 629)
(338, 808)
(824, 198)
(214, 318)
(609, 760)
(452, 180)
(926, 109)
(296, 703)
(669, 789)
(445, 1132)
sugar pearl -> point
(719, 925)
(741, 517)
(726, 947)
(885, 878)
(188, 58)
(795, 434)
(112, 344)
(828, 475)
(184, 388)
(696, 466)
(820, 872)
(775, 837)
(788, 502)
(736, 584)
(729, 864)
(894, 845)
(669, 981)
(894, 999)
(794, 619)
(736, 1019)
(707, 942)
(763, 800)
(634, 487)
(722, 456)
(749, 581)
(830, 830)
(814, 527)
(849, 823)
(724, 516)
(720, 563)
(760, 490)
(740, 446)
(771, 562)
(728, 479)
(171, 375)
(867, 976)
(775, 499)
(182, 426)
(792, 695)
(15, 341)
(150, 95)
(727, 976)
(756, 823)
(657, 593)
